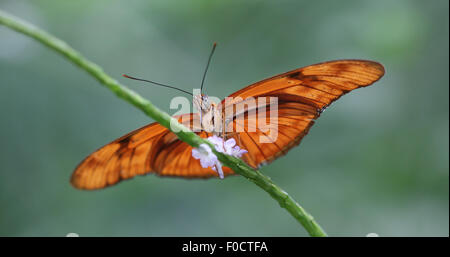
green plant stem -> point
(237, 165)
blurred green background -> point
(377, 161)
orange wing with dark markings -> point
(150, 149)
(302, 96)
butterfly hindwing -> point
(150, 149)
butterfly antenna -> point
(156, 83)
(207, 65)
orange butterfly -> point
(302, 95)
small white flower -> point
(218, 143)
(228, 145)
(238, 152)
(208, 159)
(206, 156)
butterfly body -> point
(301, 96)
(210, 115)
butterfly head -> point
(201, 102)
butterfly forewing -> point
(302, 96)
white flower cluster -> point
(208, 159)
